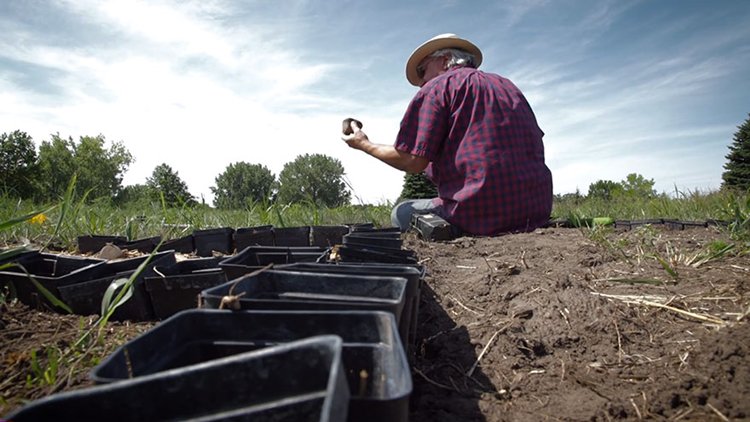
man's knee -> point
(402, 212)
(401, 215)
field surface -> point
(558, 324)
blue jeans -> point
(402, 212)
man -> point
(477, 139)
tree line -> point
(313, 178)
(98, 169)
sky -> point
(650, 87)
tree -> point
(18, 167)
(134, 193)
(99, 170)
(316, 178)
(165, 181)
(737, 174)
(605, 189)
(242, 183)
(638, 186)
(418, 186)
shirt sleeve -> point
(425, 123)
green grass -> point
(732, 207)
(64, 223)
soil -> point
(558, 324)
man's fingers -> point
(355, 126)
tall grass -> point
(74, 218)
(62, 225)
(718, 205)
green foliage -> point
(637, 186)
(242, 184)
(18, 167)
(737, 174)
(165, 184)
(134, 194)
(101, 217)
(99, 169)
(418, 186)
(313, 178)
(605, 189)
(737, 212)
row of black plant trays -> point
(669, 223)
(323, 335)
(227, 240)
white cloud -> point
(202, 84)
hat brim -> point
(434, 45)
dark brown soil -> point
(559, 324)
(565, 327)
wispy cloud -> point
(616, 86)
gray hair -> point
(457, 57)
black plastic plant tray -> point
(408, 325)
(146, 245)
(682, 225)
(291, 236)
(300, 380)
(351, 253)
(85, 297)
(360, 226)
(289, 290)
(650, 221)
(183, 244)
(51, 271)
(209, 240)
(253, 236)
(175, 288)
(249, 259)
(370, 343)
(325, 236)
(374, 230)
(94, 243)
(372, 241)
(265, 258)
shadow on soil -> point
(444, 354)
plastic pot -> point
(291, 236)
(95, 243)
(253, 236)
(85, 297)
(289, 290)
(177, 287)
(51, 271)
(301, 380)
(363, 240)
(146, 245)
(408, 324)
(370, 344)
(255, 257)
(183, 244)
(325, 236)
(357, 253)
(210, 240)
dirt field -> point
(552, 325)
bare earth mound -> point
(570, 328)
(559, 324)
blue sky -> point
(651, 87)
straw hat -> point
(434, 44)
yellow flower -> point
(38, 219)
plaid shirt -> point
(485, 150)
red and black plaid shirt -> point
(485, 150)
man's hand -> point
(386, 153)
(357, 139)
